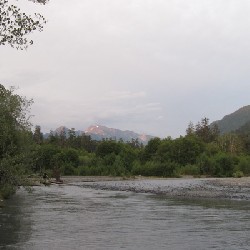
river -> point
(77, 217)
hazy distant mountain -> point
(235, 120)
(99, 132)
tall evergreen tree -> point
(38, 135)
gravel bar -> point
(217, 188)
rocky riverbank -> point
(217, 188)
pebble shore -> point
(213, 188)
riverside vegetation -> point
(201, 152)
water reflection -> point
(15, 221)
(73, 217)
(206, 203)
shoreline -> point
(186, 187)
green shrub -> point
(238, 174)
(224, 165)
(83, 171)
(136, 168)
(155, 168)
(68, 169)
(190, 170)
(244, 165)
(206, 165)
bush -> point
(155, 168)
(224, 165)
(118, 167)
(136, 168)
(85, 160)
(68, 169)
(238, 174)
(9, 178)
(190, 170)
(83, 171)
(244, 165)
(206, 165)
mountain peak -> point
(96, 129)
(99, 132)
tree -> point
(62, 137)
(151, 149)
(13, 120)
(107, 147)
(230, 143)
(190, 129)
(85, 142)
(135, 143)
(207, 132)
(15, 131)
(38, 135)
(16, 25)
(185, 150)
(71, 137)
(14, 138)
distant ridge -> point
(234, 121)
(99, 132)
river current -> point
(75, 217)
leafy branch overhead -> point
(15, 25)
(39, 1)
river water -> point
(76, 217)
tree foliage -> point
(15, 25)
(201, 152)
(15, 137)
(204, 130)
(14, 120)
(38, 135)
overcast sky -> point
(150, 66)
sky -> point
(150, 66)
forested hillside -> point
(234, 121)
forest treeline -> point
(201, 152)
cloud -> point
(151, 66)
